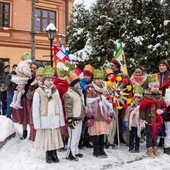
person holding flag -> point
(118, 65)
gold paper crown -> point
(152, 80)
(138, 91)
(40, 71)
(98, 74)
(48, 72)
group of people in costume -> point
(95, 111)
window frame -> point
(2, 14)
(42, 19)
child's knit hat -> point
(88, 70)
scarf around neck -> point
(101, 89)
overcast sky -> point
(87, 3)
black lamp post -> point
(51, 31)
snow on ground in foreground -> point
(8, 125)
(18, 154)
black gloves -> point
(71, 123)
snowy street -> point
(20, 154)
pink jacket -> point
(127, 116)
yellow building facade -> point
(16, 24)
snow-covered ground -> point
(19, 154)
(8, 125)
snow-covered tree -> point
(143, 33)
(166, 35)
(77, 30)
(142, 25)
(104, 30)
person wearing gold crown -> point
(48, 116)
(132, 120)
(99, 112)
(88, 78)
(34, 85)
(75, 113)
(152, 107)
(23, 75)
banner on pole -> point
(120, 57)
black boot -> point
(101, 142)
(49, 157)
(55, 157)
(96, 146)
(86, 142)
(81, 144)
(71, 157)
(161, 142)
(24, 135)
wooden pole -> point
(117, 127)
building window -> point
(4, 14)
(43, 18)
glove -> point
(126, 124)
(90, 122)
(71, 123)
(159, 111)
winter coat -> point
(98, 107)
(128, 112)
(9, 84)
(148, 106)
(23, 73)
(62, 87)
(74, 104)
(54, 117)
(83, 85)
(165, 82)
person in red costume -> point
(152, 107)
(62, 86)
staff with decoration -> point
(120, 88)
(120, 93)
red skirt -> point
(22, 116)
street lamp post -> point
(51, 31)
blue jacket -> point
(83, 84)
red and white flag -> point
(62, 57)
(59, 54)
